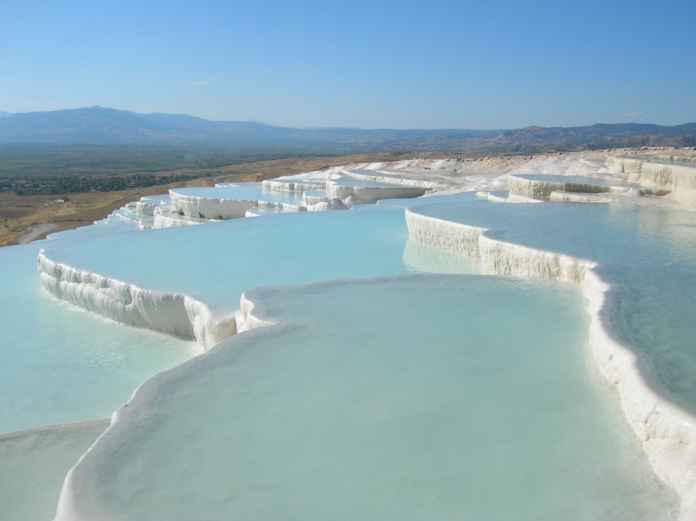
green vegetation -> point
(92, 160)
(53, 169)
(74, 184)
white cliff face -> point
(170, 313)
(667, 433)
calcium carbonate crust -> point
(208, 207)
(541, 189)
(170, 313)
(667, 433)
(678, 181)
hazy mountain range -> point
(104, 126)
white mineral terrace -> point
(575, 178)
(174, 314)
(290, 194)
(667, 433)
(676, 180)
(560, 188)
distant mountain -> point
(104, 126)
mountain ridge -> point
(107, 126)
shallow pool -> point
(646, 251)
(420, 398)
(218, 262)
(60, 364)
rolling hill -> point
(105, 126)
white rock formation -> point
(165, 218)
(570, 197)
(294, 184)
(541, 189)
(207, 207)
(171, 313)
(370, 192)
(679, 181)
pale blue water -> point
(377, 365)
(242, 192)
(33, 466)
(647, 253)
(218, 262)
(421, 398)
(59, 364)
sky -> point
(464, 64)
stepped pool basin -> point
(645, 251)
(401, 398)
(341, 374)
(217, 263)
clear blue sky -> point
(422, 64)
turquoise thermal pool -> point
(60, 364)
(440, 357)
(216, 263)
(33, 465)
(401, 398)
(645, 251)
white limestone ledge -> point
(677, 181)
(541, 189)
(369, 192)
(510, 198)
(666, 432)
(570, 197)
(164, 218)
(292, 184)
(393, 178)
(170, 313)
(197, 207)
